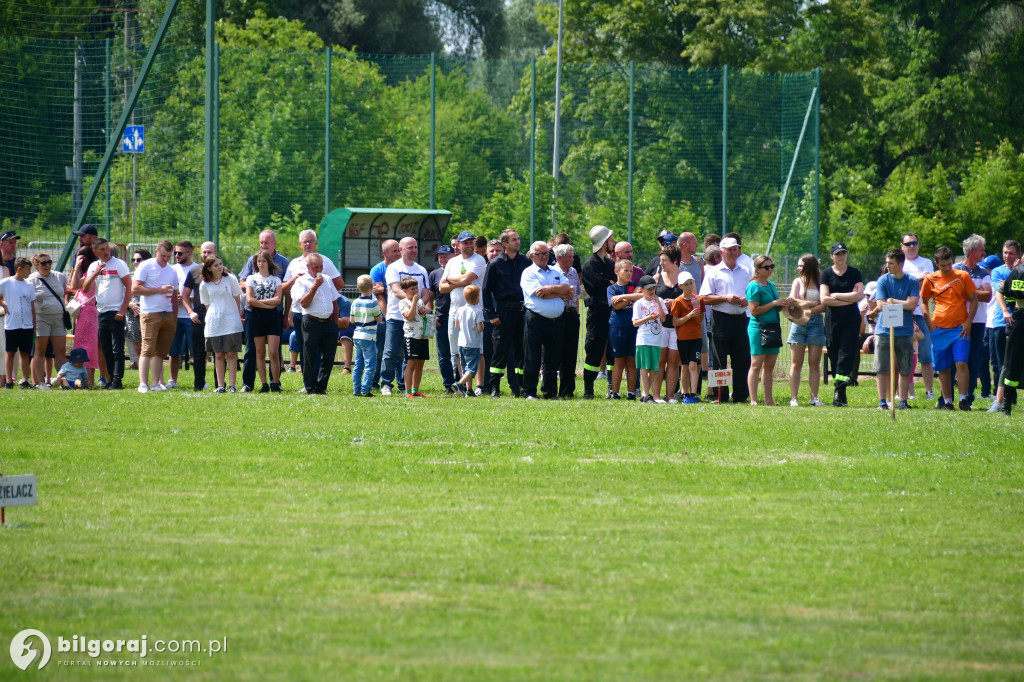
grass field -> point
(331, 537)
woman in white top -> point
(808, 330)
(222, 296)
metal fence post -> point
(106, 125)
(629, 171)
(817, 157)
(216, 144)
(533, 149)
(725, 149)
(433, 129)
(327, 135)
(208, 160)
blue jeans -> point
(996, 351)
(365, 362)
(381, 333)
(182, 339)
(394, 355)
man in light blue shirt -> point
(544, 293)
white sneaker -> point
(143, 388)
(172, 384)
(101, 383)
(995, 407)
(158, 387)
(478, 392)
(673, 401)
(929, 395)
(602, 375)
(54, 381)
(793, 402)
(385, 390)
(659, 401)
(44, 385)
(816, 403)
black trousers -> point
(569, 348)
(732, 346)
(112, 344)
(319, 346)
(542, 338)
(198, 356)
(843, 343)
(507, 338)
(1013, 359)
(595, 343)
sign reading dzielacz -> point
(18, 491)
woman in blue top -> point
(764, 302)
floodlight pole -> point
(558, 116)
(115, 138)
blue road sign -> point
(134, 140)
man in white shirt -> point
(394, 337)
(183, 264)
(724, 290)
(113, 283)
(465, 269)
(297, 268)
(156, 282)
(917, 266)
(544, 292)
(318, 299)
(569, 321)
(977, 360)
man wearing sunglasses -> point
(183, 332)
(665, 238)
(918, 266)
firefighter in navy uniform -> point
(502, 288)
(598, 274)
(1010, 297)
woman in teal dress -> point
(764, 302)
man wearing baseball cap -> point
(86, 237)
(9, 248)
(598, 274)
(725, 289)
(442, 307)
(665, 238)
(842, 287)
(466, 268)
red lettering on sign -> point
(382, 230)
(355, 230)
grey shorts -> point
(228, 343)
(904, 354)
(50, 324)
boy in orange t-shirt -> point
(956, 301)
(687, 311)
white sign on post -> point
(719, 377)
(892, 316)
(18, 491)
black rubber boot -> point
(839, 395)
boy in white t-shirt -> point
(20, 321)
(417, 348)
(469, 322)
(648, 314)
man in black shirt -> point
(1013, 313)
(503, 308)
(598, 274)
(842, 287)
(441, 307)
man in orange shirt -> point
(956, 301)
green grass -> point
(342, 538)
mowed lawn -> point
(331, 537)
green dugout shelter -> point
(352, 236)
